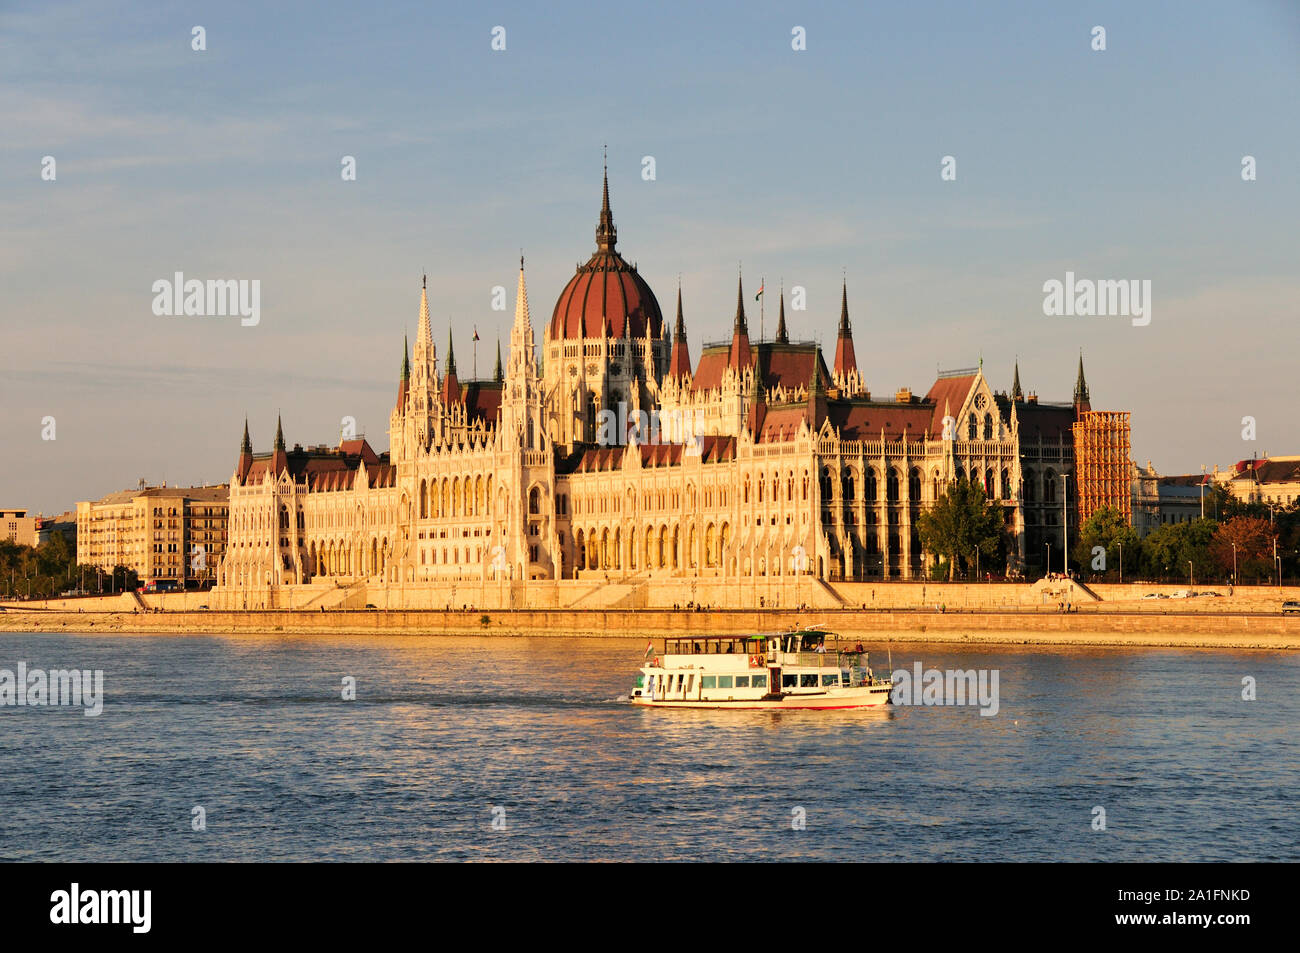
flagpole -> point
(762, 301)
(476, 352)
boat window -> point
(640, 680)
(742, 681)
(724, 681)
(808, 680)
(690, 683)
(758, 681)
(832, 679)
(845, 678)
(789, 681)
(708, 681)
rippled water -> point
(444, 730)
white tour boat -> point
(792, 670)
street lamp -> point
(1234, 563)
(1191, 580)
(1049, 559)
(1202, 491)
(1121, 564)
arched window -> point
(848, 484)
(424, 500)
(1004, 485)
(988, 483)
(972, 427)
(870, 493)
(988, 427)
(891, 485)
(1049, 487)
(534, 500)
(827, 492)
(1029, 478)
(914, 485)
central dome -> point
(607, 295)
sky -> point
(803, 167)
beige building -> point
(17, 527)
(1272, 481)
(175, 534)
(616, 460)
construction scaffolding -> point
(1103, 468)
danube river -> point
(525, 749)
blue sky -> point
(802, 165)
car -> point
(1290, 606)
(1152, 595)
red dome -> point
(606, 289)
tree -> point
(1246, 544)
(1109, 529)
(962, 522)
(1168, 549)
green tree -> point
(1109, 529)
(1167, 551)
(962, 522)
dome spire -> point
(606, 233)
(679, 361)
(1081, 398)
(782, 336)
(1016, 392)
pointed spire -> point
(739, 325)
(245, 463)
(741, 355)
(1016, 392)
(846, 360)
(606, 233)
(424, 336)
(450, 384)
(523, 319)
(782, 336)
(679, 361)
(1081, 401)
(498, 374)
(404, 382)
(279, 434)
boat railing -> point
(829, 659)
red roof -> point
(606, 289)
(948, 394)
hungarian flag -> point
(760, 292)
(476, 332)
(649, 649)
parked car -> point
(1152, 595)
(1290, 606)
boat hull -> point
(850, 699)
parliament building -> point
(610, 468)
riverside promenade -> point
(1248, 623)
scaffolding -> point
(1103, 468)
